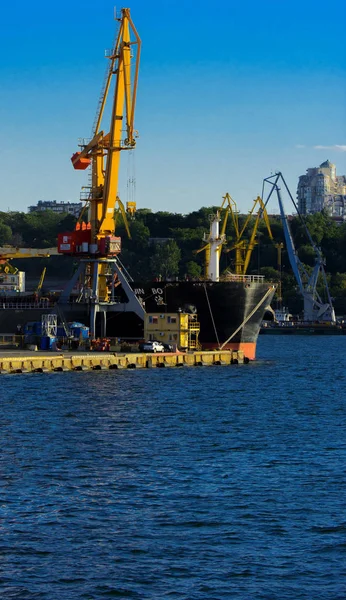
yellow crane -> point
(95, 242)
(9, 253)
(40, 283)
(97, 239)
(103, 151)
(243, 248)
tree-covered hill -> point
(164, 244)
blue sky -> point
(227, 95)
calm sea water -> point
(206, 483)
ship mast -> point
(215, 240)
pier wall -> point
(21, 363)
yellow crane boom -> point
(243, 248)
(103, 151)
(41, 280)
(10, 252)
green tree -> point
(165, 261)
(338, 282)
(193, 269)
(140, 234)
(5, 234)
(270, 273)
(307, 254)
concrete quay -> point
(17, 361)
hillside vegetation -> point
(174, 253)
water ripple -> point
(204, 484)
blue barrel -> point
(45, 342)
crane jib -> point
(102, 153)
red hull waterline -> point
(249, 348)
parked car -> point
(168, 347)
(151, 346)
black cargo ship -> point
(230, 312)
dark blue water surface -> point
(197, 483)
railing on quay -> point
(25, 305)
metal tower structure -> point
(95, 242)
(315, 309)
(49, 325)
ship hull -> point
(229, 312)
(313, 329)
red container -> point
(66, 243)
(80, 163)
(72, 242)
(82, 235)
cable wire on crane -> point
(131, 184)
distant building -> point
(322, 189)
(72, 208)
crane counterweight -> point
(80, 163)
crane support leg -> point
(134, 304)
(88, 298)
(92, 324)
(103, 324)
(65, 295)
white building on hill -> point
(73, 208)
(320, 189)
